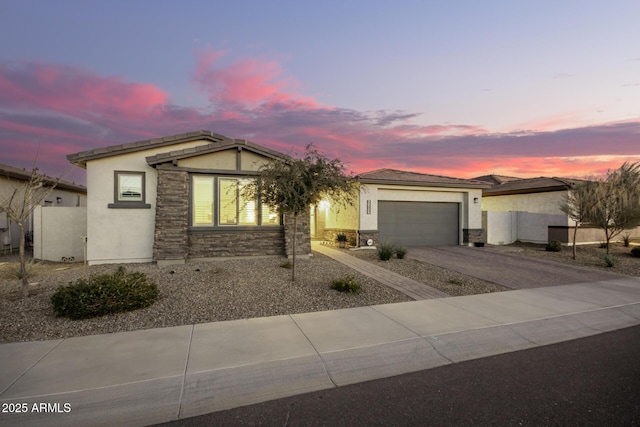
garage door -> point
(418, 223)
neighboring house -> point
(65, 194)
(176, 198)
(406, 208)
(528, 209)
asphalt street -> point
(593, 381)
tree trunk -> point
(23, 263)
(575, 233)
(295, 231)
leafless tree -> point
(19, 206)
(580, 199)
(617, 201)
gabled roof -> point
(24, 175)
(531, 185)
(212, 148)
(495, 179)
(80, 159)
(398, 177)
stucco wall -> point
(546, 203)
(122, 235)
(504, 228)
(59, 232)
(57, 198)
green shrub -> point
(553, 246)
(609, 260)
(626, 239)
(456, 282)
(346, 284)
(341, 237)
(104, 294)
(386, 251)
(603, 245)
(636, 251)
(400, 252)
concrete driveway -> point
(507, 269)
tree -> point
(19, 206)
(617, 201)
(291, 186)
(579, 201)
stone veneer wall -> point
(472, 235)
(260, 241)
(174, 241)
(303, 236)
(172, 215)
(366, 235)
(330, 235)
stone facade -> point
(174, 241)
(473, 235)
(330, 235)
(261, 241)
(366, 235)
(172, 216)
(303, 236)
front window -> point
(202, 200)
(129, 187)
(129, 190)
(227, 206)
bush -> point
(346, 284)
(609, 260)
(553, 246)
(104, 294)
(626, 239)
(636, 251)
(340, 237)
(386, 251)
(401, 252)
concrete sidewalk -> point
(151, 376)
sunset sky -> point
(456, 88)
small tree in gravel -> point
(292, 186)
(19, 206)
(617, 201)
(580, 199)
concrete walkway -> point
(412, 288)
(156, 375)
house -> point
(176, 198)
(528, 209)
(65, 194)
(406, 208)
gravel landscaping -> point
(194, 293)
(203, 292)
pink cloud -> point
(249, 82)
(60, 109)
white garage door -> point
(419, 223)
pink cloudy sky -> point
(460, 88)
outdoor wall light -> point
(58, 200)
(475, 200)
